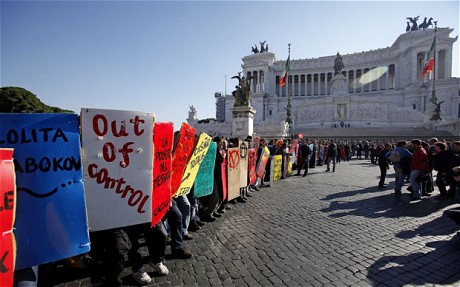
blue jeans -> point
(399, 178)
(329, 159)
(414, 174)
(174, 217)
(184, 206)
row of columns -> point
(319, 83)
(258, 82)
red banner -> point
(224, 178)
(163, 134)
(7, 214)
(252, 166)
(181, 154)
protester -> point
(419, 165)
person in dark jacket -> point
(331, 155)
(304, 153)
(442, 164)
(384, 165)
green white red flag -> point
(429, 61)
(286, 71)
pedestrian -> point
(383, 163)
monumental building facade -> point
(381, 89)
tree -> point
(19, 100)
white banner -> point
(117, 167)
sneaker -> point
(159, 268)
(414, 198)
(141, 277)
(187, 237)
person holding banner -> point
(174, 219)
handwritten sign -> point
(260, 170)
(278, 161)
(163, 134)
(117, 156)
(181, 154)
(233, 158)
(288, 165)
(252, 166)
(204, 182)
(7, 212)
(194, 163)
(50, 214)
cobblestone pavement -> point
(326, 229)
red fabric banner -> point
(7, 215)
(252, 166)
(163, 137)
(224, 178)
(181, 154)
(260, 170)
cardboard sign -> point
(117, 160)
(181, 154)
(51, 221)
(260, 170)
(252, 166)
(224, 177)
(233, 167)
(244, 150)
(288, 165)
(204, 182)
(256, 142)
(7, 213)
(163, 137)
(278, 161)
(194, 164)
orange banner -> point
(181, 154)
(7, 215)
(163, 134)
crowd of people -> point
(414, 162)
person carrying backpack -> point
(400, 158)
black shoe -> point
(221, 211)
(398, 193)
(327, 170)
(304, 175)
(217, 215)
(193, 227)
(426, 194)
(200, 223)
(181, 254)
(414, 198)
(255, 188)
(208, 218)
(382, 185)
(249, 194)
(228, 207)
(241, 199)
(187, 237)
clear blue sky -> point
(162, 57)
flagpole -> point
(433, 98)
(289, 107)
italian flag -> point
(286, 72)
(429, 61)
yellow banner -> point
(193, 164)
(278, 160)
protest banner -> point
(223, 174)
(163, 137)
(260, 170)
(204, 182)
(256, 143)
(233, 168)
(118, 161)
(244, 164)
(278, 161)
(293, 150)
(51, 221)
(181, 154)
(193, 164)
(288, 165)
(7, 213)
(252, 166)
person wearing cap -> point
(419, 165)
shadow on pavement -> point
(439, 266)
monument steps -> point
(374, 132)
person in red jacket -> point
(419, 165)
